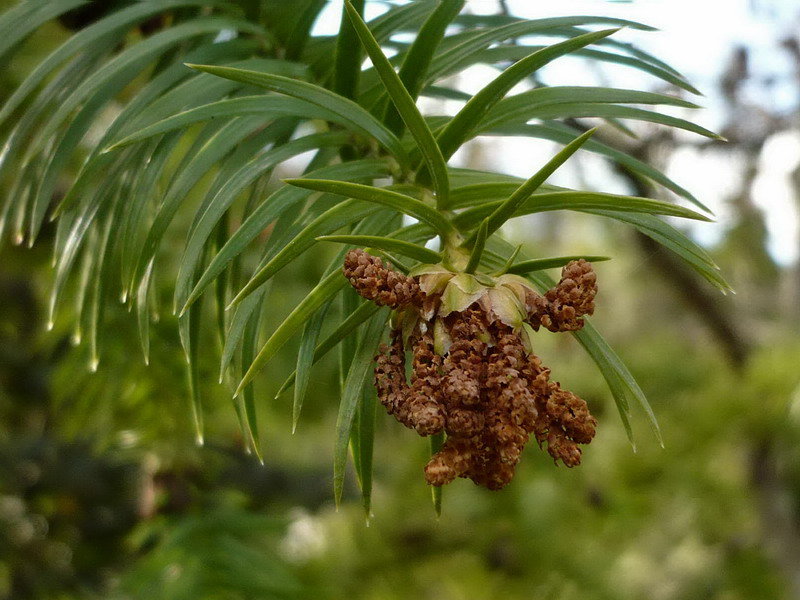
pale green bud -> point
(432, 278)
(441, 338)
(519, 285)
(461, 291)
(506, 306)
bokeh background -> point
(104, 494)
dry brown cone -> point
(564, 423)
(510, 411)
(563, 306)
(425, 412)
(487, 392)
(390, 375)
(416, 406)
(453, 460)
(378, 282)
(464, 374)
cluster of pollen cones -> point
(485, 389)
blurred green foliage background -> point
(103, 493)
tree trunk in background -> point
(709, 306)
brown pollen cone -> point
(416, 406)
(374, 281)
(424, 397)
(485, 390)
(465, 373)
(562, 306)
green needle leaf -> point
(347, 70)
(509, 261)
(558, 132)
(477, 248)
(357, 379)
(517, 108)
(580, 201)
(406, 107)
(539, 264)
(324, 291)
(334, 218)
(276, 205)
(676, 241)
(345, 328)
(362, 443)
(507, 209)
(22, 20)
(420, 253)
(207, 219)
(460, 127)
(358, 118)
(269, 107)
(575, 110)
(112, 26)
(143, 312)
(192, 347)
(305, 360)
(248, 397)
(475, 42)
(399, 202)
(419, 55)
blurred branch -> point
(713, 310)
(707, 305)
(779, 520)
(792, 46)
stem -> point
(451, 239)
(454, 256)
